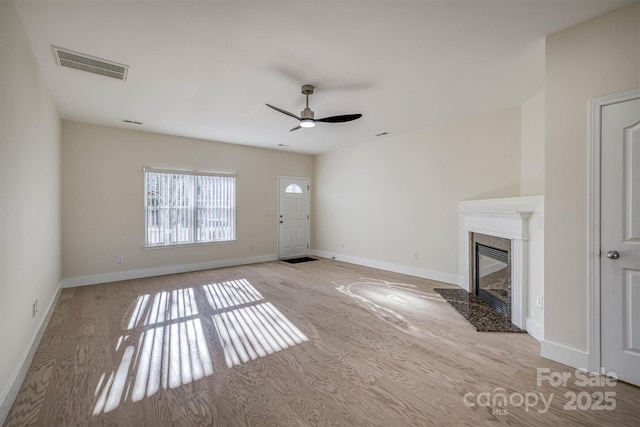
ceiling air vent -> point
(88, 63)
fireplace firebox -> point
(491, 271)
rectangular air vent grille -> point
(88, 63)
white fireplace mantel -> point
(509, 224)
(506, 224)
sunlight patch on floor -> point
(251, 332)
(165, 345)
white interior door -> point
(620, 240)
(293, 217)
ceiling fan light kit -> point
(307, 116)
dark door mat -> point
(298, 260)
(477, 312)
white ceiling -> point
(205, 69)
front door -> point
(293, 217)
(620, 239)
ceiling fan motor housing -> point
(307, 114)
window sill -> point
(183, 245)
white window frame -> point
(194, 230)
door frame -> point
(278, 212)
(594, 220)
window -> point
(188, 207)
(293, 188)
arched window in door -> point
(293, 188)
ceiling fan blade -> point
(283, 111)
(295, 128)
(340, 119)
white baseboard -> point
(565, 355)
(12, 388)
(535, 329)
(94, 279)
(397, 268)
(463, 283)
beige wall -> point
(596, 58)
(532, 184)
(103, 198)
(384, 200)
(29, 200)
(532, 148)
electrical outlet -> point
(539, 302)
(341, 245)
(34, 309)
(415, 255)
(119, 259)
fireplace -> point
(505, 230)
(491, 271)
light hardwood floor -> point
(318, 343)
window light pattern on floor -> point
(171, 350)
(248, 333)
(165, 345)
(230, 294)
(247, 330)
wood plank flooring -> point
(313, 344)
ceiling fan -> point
(307, 119)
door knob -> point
(613, 254)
